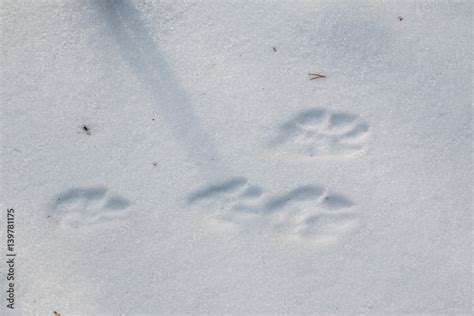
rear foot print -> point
(78, 207)
(310, 213)
(319, 132)
(222, 201)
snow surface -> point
(214, 177)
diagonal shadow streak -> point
(139, 50)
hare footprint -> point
(307, 212)
(78, 207)
(220, 200)
(319, 132)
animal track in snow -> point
(220, 200)
(311, 212)
(307, 212)
(320, 132)
(78, 207)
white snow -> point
(214, 177)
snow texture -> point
(174, 157)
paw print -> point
(310, 213)
(78, 207)
(307, 212)
(319, 132)
(220, 201)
